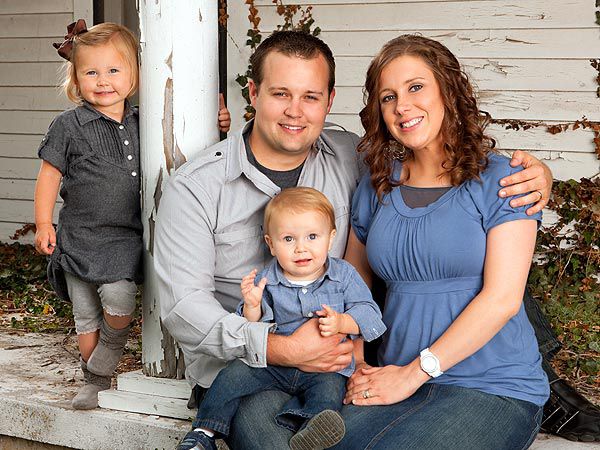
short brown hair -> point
(292, 43)
(298, 200)
(125, 43)
(465, 144)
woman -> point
(460, 366)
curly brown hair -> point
(465, 144)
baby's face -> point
(300, 242)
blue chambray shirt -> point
(341, 288)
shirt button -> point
(129, 157)
(133, 174)
(121, 127)
(309, 314)
(304, 290)
(126, 142)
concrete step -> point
(39, 374)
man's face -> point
(291, 104)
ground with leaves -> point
(28, 304)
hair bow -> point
(66, 47)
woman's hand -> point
(384, 385)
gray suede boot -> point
(106, 355)
(87, 396)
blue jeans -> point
(436, 416)
(310, 394)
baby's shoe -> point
(197, 440)
(322, 431)
(87, 396)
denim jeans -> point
(310, 394)
(436, 416)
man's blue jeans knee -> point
(237, 380)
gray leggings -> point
(90, 300)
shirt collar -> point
(87, 113)
(274, 274)
(238, 159)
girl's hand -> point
(329, 322)
(224, 116)
(384, 385)
(45, 239)
(251, 293)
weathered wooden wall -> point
(529, 60)
(30, 70)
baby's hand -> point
(45, 239)
(224, 116)
(329, 322)
(251, 293)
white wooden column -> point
(178, 119)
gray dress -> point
(99, 235)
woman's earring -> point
(395, 150)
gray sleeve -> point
(55, 144)
(184, 261)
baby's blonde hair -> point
(124, 42)
(299, 200)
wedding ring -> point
(366, 394)
(541, 195)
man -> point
(209, 232)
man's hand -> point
(535, 181)
(308, 351)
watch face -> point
(428, 364)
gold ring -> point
(541, 195)
(366, 393)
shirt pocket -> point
(238, 252)
(79, 151)
(335, 300)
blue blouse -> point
(432, 261)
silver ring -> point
(366, 393)
(541, 195)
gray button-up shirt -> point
(99, 236)
(209, 235)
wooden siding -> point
(30, 71)
(529, 60)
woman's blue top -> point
(432, 260)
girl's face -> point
(411, 103)
(104, 78)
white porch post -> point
(178, 119)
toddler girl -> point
(95, 256)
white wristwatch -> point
(430, 364)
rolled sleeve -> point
(368, 320)
(54, 146)
(184, 261)
(362, 308)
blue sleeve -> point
(364, 205)
(359, 304)
(55, 144)
(494, 209)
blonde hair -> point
(298, 200)
(124, 42)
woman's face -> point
(411, 103)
